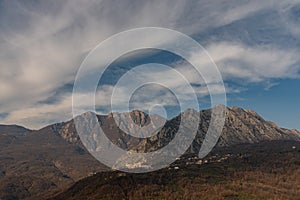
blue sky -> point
(256, 45)
(279, 103)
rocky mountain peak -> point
(67, 131)
(140, 118)
(241, 126)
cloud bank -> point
(44, 42)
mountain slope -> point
(13, 130)
(9, 133)
(241, 126)
(265, 170)
(47, 161)
(42, 163)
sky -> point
(255, 44)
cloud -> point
(38, 116)
(255, 64)
(42, 44)
(289, 12)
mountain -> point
(44, 162)
(13, 130)
(9, 133)
(241, 126)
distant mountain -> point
(9, 133)
(13, 130)
(241, 126)
(40, 163)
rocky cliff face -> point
(246, 126)
(67, 131)
(241, 126)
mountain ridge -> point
(47, 161)
(13, 130)
(135, 110)
(253, 127)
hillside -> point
(13, 130)
(44, 162)
(266, 170)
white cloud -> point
(255, 63)
(42, 45)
